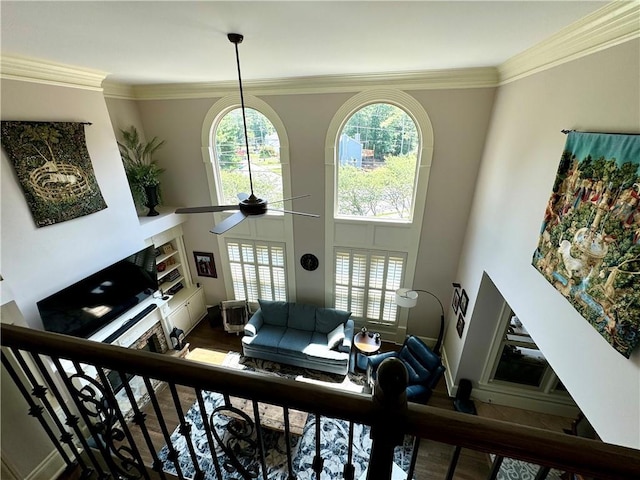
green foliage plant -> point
(141, 169)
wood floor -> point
(433, 458)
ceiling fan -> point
(249, 204)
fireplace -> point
(153, 340)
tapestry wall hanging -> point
(54, 169)
(589, 246)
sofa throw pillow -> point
(274, 313)
(335, 337)
(328, 318)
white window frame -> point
(377, 234)
(267, 228)
(367, 294)
(253, 272)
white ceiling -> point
(148, 42)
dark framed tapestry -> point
(589, 245)
(53, 167)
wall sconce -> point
(408, 298)
(177, 338)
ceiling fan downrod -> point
(237, 38)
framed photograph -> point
(456, 300)
(460, 325)
(464, 302)
(205, 264)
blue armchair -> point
(424, 367)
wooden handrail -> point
(543, 447)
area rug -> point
(334, 445)
(512, 469)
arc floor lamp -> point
(408, 298)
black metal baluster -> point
(86, 394)
(185, 430)
(495, 467)
(40, 392)
(207, 431)
(35, 410)
(414, 457)
(173, 454)
(349, 469)
(123, 452)
(71, 420)
(318, 462)
(140, 419)
(542, 473)
(107, 411)
(260, 439)
(454, 463)
(287, 438)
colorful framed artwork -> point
(205, 265)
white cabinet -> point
(186, 309)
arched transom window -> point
(231, 154)
(376, 164)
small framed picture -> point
(205, 264)
(464, 302)
(460, 325)
(168, 248)
(455, 303)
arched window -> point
(231, 155)
(376, 164)
(379, 147)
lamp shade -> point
(406, 298)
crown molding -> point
(118, 90)
(436, 79)
(611, 25)
(50, 73)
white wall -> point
(37, 262)
(460, 118)
(600, 92)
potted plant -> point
(143, 173)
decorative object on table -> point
(589, 245)
(249, 204)
(366, 343)
(309, 262)
(143, 173)
(464, 302)
(425, 366)
(460, 325)
(456, 300)
(205, 264)
(177, 338)
(54, 169)
(408, 298)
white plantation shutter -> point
(257, 270)
(366, 281)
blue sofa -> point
(301, 335)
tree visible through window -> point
(377, 156)
(264, 150)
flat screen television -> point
(87, 306)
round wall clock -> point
(309, 261)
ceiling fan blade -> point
(291, 198)
(228, 223)
(295, 213)
(207, 209)
(243, 196)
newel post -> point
(387, 430)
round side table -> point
(366, 344)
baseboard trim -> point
(51, 468)
(525, 400)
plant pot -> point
(152, 200)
